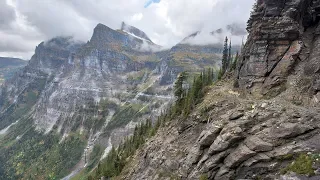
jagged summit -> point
(191, 36)
(217, 36)
(135, 31)
(104, 34)
(129, 36)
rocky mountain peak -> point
(104, 35)
(135, 31)
(129, 36)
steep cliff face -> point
(74, 101)
(282, 48)
(8, 66)
(231, 137)
(236, 134)
(97, 90)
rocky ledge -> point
(260, 142)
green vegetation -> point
(187, 98)
(228, 62)
(204, 177)
(167, 174)
(302, 165)
(138, 76)
(225, 59)
(117, 158)
(25, 102)
(38, 156)
(125, 114)
(95, 156)
(235, 61)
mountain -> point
(8, 66)
(134, 31)
(74, 101)
(74, 97)
(193, 57)
(259, 122)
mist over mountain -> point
(193, 93)
(236, 32)
(87, 97)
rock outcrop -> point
(235, 135)
(99, 90)
(257, 145)
(282, 48)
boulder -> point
(214, 160)
(236, 115)
(258, 145)
(257, 158)
(224, 173)
(241, 154)
(288, 130)
(207, 137)
(194, 155)
(223, 141)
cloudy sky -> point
(26, 23)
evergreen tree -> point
(225, 56)
(220, 74)
(179, 92)
(254, 9)
(229, 57)
(235, 61)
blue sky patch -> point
(149, 2)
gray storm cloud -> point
(7, 14)
(24, 24)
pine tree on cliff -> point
(250, 21)
(235, 61)
(225, 56)
(179, 92)
(229, 57)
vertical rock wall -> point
(282, 35)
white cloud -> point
(137, 17)
(166, 22)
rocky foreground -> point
(230, 137)
(262, 125)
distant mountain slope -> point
(8, 66)
(137, 32)
(263, 123)
(75, 97)
(74, 101)
(6, 61)
(192, 56)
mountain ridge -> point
(260, 121)
(84, 96)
